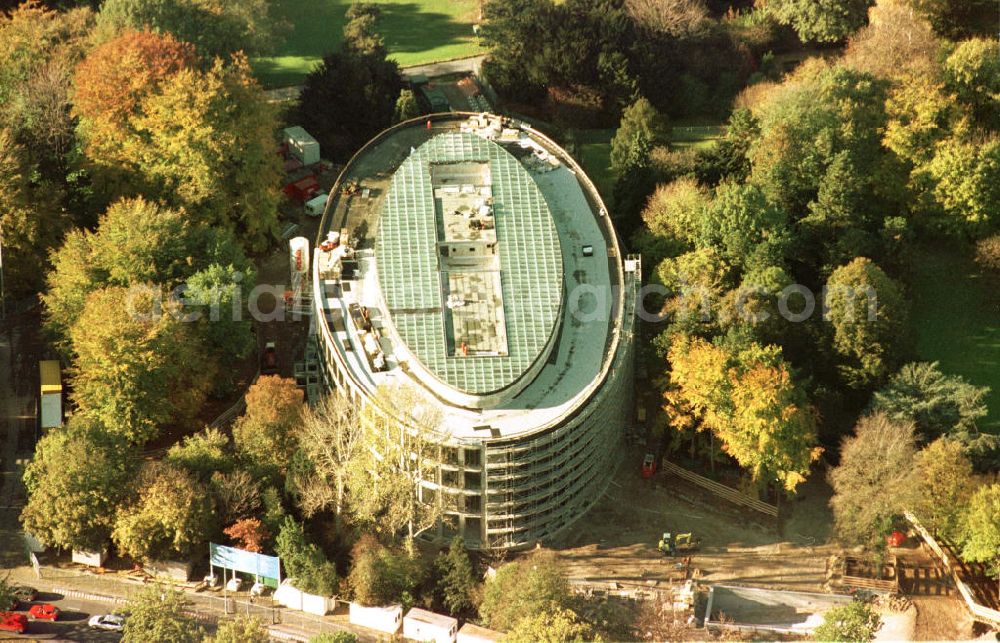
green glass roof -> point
(530, 264)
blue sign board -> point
(244, 561)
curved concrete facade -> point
(514, 470)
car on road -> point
(110, 622)
(44, 612)
(10, 622)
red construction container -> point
(303, 189)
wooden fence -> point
(979, 612)
(721, 490)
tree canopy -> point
(524, 589)
(156, 615)
(820, 20)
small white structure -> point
(289, 596)
(474, 634)
(90, 558)
(384, 619)
(301, 145)
(421, 625)
(177, 570)
(316, 205)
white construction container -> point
(316, 205)
(90, 558)
(421, 625)
(301, 145)
(289, 596)
(474, 634)
(298, 255)
(384, 619)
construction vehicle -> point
(672, 544)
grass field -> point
(595, 149)
(957, 316)
(416, 32)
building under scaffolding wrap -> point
(468, 258)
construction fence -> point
(722, 491)
(980, 612)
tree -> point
(406, 107)
(31, 219)
(265, 435)
(524, 588)
(957, 18)
(856, 621)
(820, 20)
(237, 495)
(456, 582)
(75, 482)
(874, 463)
(336, 637)
(939, 405)
(249, 534)
(558, 626)
(966, 176)
(203, 453)
(242, 629)
(330, 435)
(113, 80)
(675, 17)
(743, 228)
(303, 560)
(641, 128)
(156, 615)
(137, 365)
(381, 576)
(980, 528)
(206, 142)
(868, 317)
(676, 211)
(386, 482)
(897, 42)
(361, 81)
(217, 28)
(941, 484)
(170, 515)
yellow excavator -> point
(672, 544)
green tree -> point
(744, 229)
(203, 453)
(304, 561)
(75, 482)
(676, 211)
(857, 621)
(137, 365)
(941, 484)
(869, 321)
(336, 637)
(31, 219)
(242, 629)
(170, 515)
(361, 81)
(966, 176)
(867, 484)
(156, 615)
(820, 20)
(939, 405)
(957, 18)
(456, 582)
(524, 588)
(406, 106)
(980, 528)
(641, 128)
(217, 28)
(558, 626)
(265, 434)
(381, 576)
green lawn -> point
(957, 316)
(595, 149)
(416, 32)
